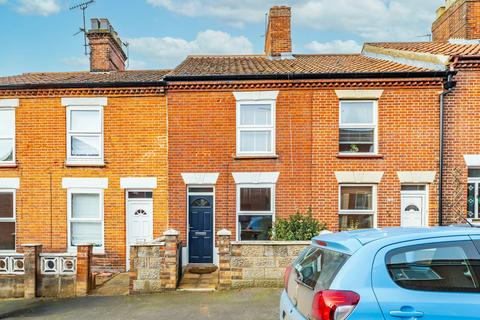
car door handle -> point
(406, 314)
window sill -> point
(85, 164)
(359, 156)
(8, 165)
(255, 157)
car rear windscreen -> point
(316, 267)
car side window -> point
(447, 266)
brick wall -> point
(460, 20)
(135, 145)
(461, 132)
(202, 139)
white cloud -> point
(369, 19)
(336, 46)
(38, 7)
(168, 51)
(77, 63)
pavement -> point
(259, 304)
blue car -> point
(390, 274)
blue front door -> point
(200, 234)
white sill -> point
(83, 163)
(8, 164)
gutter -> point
(84, 85)
(308, 76)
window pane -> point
(256, 115)
(7, 235)
(436, 267)
(85, 146)
(6, 149)
(86, 206)
(474, 173)
(355, 221)
(256, 141)
(317, 267)
(356, 198)
(357, 140)
(406, 187)
(471, 200)
(7, 123)
(200, 190)
(85, 121)
(255, 199)
(255, 227)
(140, 195)
(356, 112)
(6, 205)
(86, 233)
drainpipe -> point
(449, 85)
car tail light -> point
(286, 277)
(334, 305)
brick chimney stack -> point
(106, 52)
(457, 19)
(278, 39)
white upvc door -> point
(139, 223)
(413, 208)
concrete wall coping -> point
(270, 243)
(224, 232)
(68, 254)
(171, 232)
(158, 244)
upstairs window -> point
(255, 128)
(358, 127)
(85, 135)
(7, 136)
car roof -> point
(350, 241)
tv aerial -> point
(83, 6)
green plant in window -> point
(354, 148)
(298, 227)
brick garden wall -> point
(135, 145)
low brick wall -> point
(154, 266)
(11, 286)
(262, 264)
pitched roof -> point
(69, 79)
(201, 66)
(442, 48)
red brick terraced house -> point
(456, 48)
(256, 138)
(83, 156)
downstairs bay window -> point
(357, 207)
(255, 212)
(85, 218)
(7, 220)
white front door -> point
(139, 223)
(413, 210)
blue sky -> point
(37, 35)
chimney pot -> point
(106, 51)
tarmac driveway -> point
(243, 304)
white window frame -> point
(373, 125)
(80, 160)
(254, 213)
(359, 212)
(265, 128)
(476, 181)
(70, 192)
(14, 219)
(13, 138)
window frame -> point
(253, 213)
(476, 182)
(101, 219)
(373, 125)
(372, 212)
(13, 137)
(246, 128)
(14, 219)
(85, 160)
